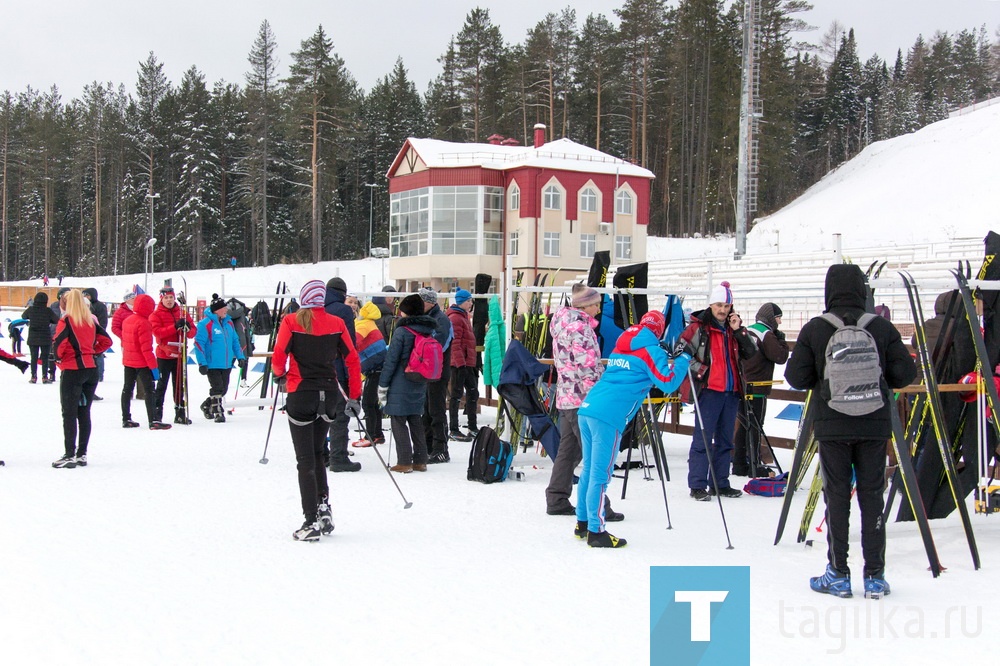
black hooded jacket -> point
(845, 297)
(97, 308)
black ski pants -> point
(408, 432)
(76, 394)
(339, 430)
(464, 380)
(144, 376)
(435, 418)
(369, 402)
(309, 442)
(168, 370)
(866, 459)
(39, 352)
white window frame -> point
(621, 198)
(550, 244)
(588, 245)
(588, 194)
(552, 198)
(515, 197)
(514, 243)
(623, 247)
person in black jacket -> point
(99, 310)
(850, 444)
(758, 371)
(335, 304)
(435, 418)
(40, 317)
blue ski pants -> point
(599, 444)
(713, 430)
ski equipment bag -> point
(490, 458)
(852, 378)
(261, 318)
(426, 359)
(767, 487)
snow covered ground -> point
(175, 547)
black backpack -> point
(261, 318)
(490, 458)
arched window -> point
(623, 203)
(515, 197)
(552, 198)
(588, 201)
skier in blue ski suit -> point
(636, 364)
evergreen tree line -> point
(292, 169)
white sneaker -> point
(325, 519)
(308, 532)
(81, 461)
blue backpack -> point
(490, 458)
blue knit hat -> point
(461, 296)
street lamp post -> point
(149, 261)
(371, 212)
(149, 246)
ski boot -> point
(308, 532)
(876, 587)
(580, 531)
(604, 540)
(832, 582)
(325, 518)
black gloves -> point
(203, 369)
(779, 334)
(280, 382)
(182, 324)
(683, 347)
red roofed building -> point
(458, 209)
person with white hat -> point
(716, 341)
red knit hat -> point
(655, 322)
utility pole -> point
(371, 213)
(751, 111)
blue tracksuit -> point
(635, 365)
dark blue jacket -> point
(334, 304)
(406, 398)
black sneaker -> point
(438, 458)
(308, 532)
(325, 518)
(67, 461)
(604, 540)
(345, 467)
(129, 423)
(473, 430)
(81, 461)
(700, 495)
(727, 492)
(580, 531)
(460, 436)
(157, 425)
(97, 397)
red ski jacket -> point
(307, 359)
(76, 345)
(164, 322)
(137, 335)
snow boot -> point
(308, 532)
(604, 540)
(180, 416)
(206, 408)
(580, 531)
(876, 587)
(832, 582)
(402, 469)
(700, 495)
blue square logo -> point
(699, 615)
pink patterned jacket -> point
(576, 354)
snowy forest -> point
(288, 164)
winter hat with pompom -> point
(721, 294)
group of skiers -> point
(320, 354)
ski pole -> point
(406, 503)
(711, 468)
(274, 408)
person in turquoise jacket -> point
(635, 366)
(217, 349)
(495, 344)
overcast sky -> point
(70, 43)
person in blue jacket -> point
(635, 366)
(217, 349)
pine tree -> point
(597, 80)
(196, 209)
(479, 67)
(445, 112)
(262, 106)
(844, 107)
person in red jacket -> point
(169, 322)
(464, 373)
(77, 340)
(139, 362)
(308, 344)
(123, 312)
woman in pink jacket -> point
(139, 362)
